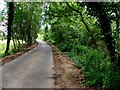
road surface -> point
(31, 70)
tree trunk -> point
(10, 20)
(106, 27)
(118, 30)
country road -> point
(31, 70)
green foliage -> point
(75, 27)
(3, 46)
(114, 77)
(105, 14)
(25, 26)
(97, 68)
(26, 22)
(40, 36)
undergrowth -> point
(97, 68)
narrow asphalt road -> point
(31, 70)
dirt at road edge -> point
(66, 74)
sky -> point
(2, 5)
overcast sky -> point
(2, 5)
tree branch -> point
(83, 21)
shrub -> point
(96, 67)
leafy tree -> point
(26, 24)
(97, 31)
(101, 11)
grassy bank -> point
(3, 47)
